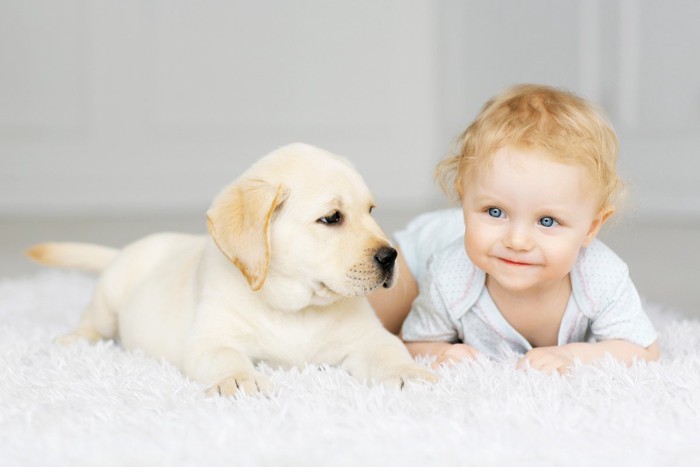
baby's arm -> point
(392, 305)
(424, 236)
(444, 352)
(616, 312)
(560, 358)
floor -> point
(663, 257)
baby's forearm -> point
(620, 350)
(430, 349)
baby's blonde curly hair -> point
(559, 124)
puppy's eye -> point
(371, 208)
(331, 219)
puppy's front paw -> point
(75, 337)
(398, 376)
(69, 339)
(245, 382)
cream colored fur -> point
(273, 282)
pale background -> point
(119, 118)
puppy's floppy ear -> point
(239, 223)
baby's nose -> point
(519, 238)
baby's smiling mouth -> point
(515, 263)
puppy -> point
(282, 278)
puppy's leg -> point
(226, 371)
(381, 357)
(98, 322)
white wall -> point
(156, 105)
(639, 60)
(140, 106)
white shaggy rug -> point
(100, 405)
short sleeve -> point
(428, 319)
(426, 235)
(624, 318)
(606, 295)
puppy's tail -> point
(85, 256)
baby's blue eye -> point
(548, 222)
(495, 212)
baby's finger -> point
(548, 368)
(473, 353)
(555, 364)
(532, 359)
(443, 360)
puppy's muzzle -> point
(385, 257)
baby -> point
(519, 267)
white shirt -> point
(454, 304)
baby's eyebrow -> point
(557, 213)
(486, 199)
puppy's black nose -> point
(385, 257)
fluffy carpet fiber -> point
(101, 405)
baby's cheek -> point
(476, 247)
(471, 241)
(563, 257)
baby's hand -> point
(455, 353)
(548, 359)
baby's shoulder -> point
(458, 281)
(436, 228)
(596, 275)
(450, 258)
(597, 262)
(426, 235)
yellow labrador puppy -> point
(282, 278)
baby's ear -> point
(603, 215)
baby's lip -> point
(516, 262)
